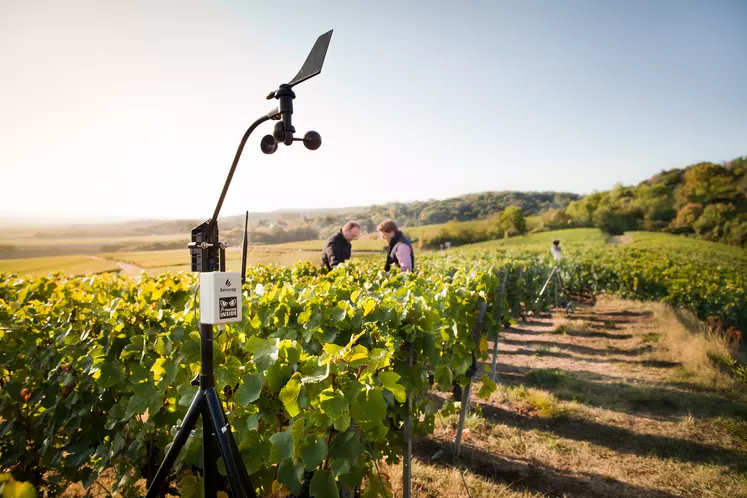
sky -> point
(130, 110)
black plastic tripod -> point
(208, 255)
(215, 428)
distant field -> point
(656, 240)
(578, 238)
(415, 233)
(259, 258)
(316, 245)
(179, 259)
(66, 241)
(368, 242)
(543, 240)
(71, 265)
(154, 262)
(150, 259)
(40, 246)
(41, 243)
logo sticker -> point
(229, 306)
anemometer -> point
(221, 301)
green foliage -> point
(95, 372)
(706, 199)
(728, 362)
(510, 222)
(707, 279)
(277, 234)
(323, 485)
(10, 488)
(459, 233)
(466, 208)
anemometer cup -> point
(312, 140)
(268, 144)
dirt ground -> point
(600, 403)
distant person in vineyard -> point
(555, 251)
(400, 248)
(337, 248)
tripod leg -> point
(240, 487)
(179, 440)
(544, 287)
(209, 454)
(244, 475)
(564, 294)
(555, 288)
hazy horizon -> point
(134, 111)
(38, 219)
(48, 219)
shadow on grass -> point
(537, 322)
(640, 314)
(517, 374)
(533, 477)
(600, 320)
(557, 354)
(512, 330)
(575, 348)
(593, 334)
(653, 400)
(621, 440)
(597, 334)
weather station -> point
(221, 301)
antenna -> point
(243, 250)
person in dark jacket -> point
(337, 248)
(400, 248)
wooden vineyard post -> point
(407, 465)
(520, 291)
(483, 306)
(500, 325)
(534, 287)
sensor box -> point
(220, 297)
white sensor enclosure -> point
(220, 297)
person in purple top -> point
(400, 248)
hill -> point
(277, 227)
(299, 225)
(706, 200)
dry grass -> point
(617, 400)
(70, 265)
(443, 479)
(155, 262)
(685, 339)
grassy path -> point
(615, 400)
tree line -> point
(705, 200)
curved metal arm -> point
(274, 114)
